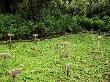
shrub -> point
(14, 24)
(47, 26)
(89, 23)
(107, 24)
(75, 25)
(64, 23)
(50, 25)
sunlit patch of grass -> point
(45, 61)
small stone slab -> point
(9, 34)
(4, 55)
(35, 35)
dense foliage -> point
(50, 25)
(54, 16)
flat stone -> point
(35, 35)
(9, 34)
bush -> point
(107, 24)
(75, 25)
(47, 26)
(50, 25)
(90, 23)
(62, 24)
(14, 24)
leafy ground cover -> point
(46, 61)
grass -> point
(45, 61)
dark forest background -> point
(48, 17)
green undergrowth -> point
(45, 61)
